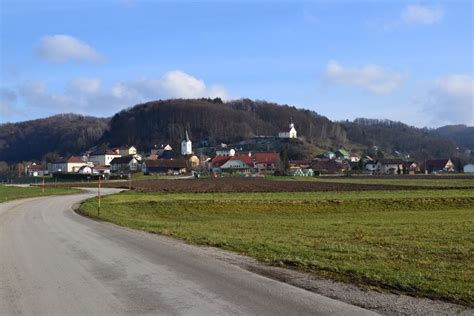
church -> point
(289, 134)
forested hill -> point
(156, 122)
(461, 134)
(166, 121)
(390, 136)
(63, 134)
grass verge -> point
(8, 193)
(419, 243)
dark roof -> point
(103, 152)
(168, 154)
(436, 163)
(121, 160)
(330, 166)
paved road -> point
(55, 262)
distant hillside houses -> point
(232, 159)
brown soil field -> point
(218, 185)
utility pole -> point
(129, 181)
(43, 185)
(98, 198)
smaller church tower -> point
(186, 145)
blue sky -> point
(401, 60)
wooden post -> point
(129, 181)
(43, 185)
(98, 198)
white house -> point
(103, 157)
(389, 166)
(67, 165)
(289, 134)
(186, 146)
(128, 163)
(469, 168)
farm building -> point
(165, 166)
(126, 164)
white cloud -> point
(59, 49)
(417, 14)
(451, 101)
(8, 99)
(84, 85)
(173, 84)
(88, 96)
(372, 78)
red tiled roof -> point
(218, 161)
(101, 167)
(269, 157)
(246, 159)
(74, 159)
(36, 167)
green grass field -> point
(407, 181)
(415, 242)
(8, 193)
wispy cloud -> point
(60, 49)
(418, 14)
(451, 101)
(372, 78)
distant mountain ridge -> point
(214, 121)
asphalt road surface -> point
(55, 262)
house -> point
(469, 168)
(291, 133)
(124, 164)
(266, 161)
(164, 166)
(240, 164)
(103, 157)
(127, 151)
(36, 170)
(186, 145)
(389, 166)
(327, 166)
(439, 165)
(71, 164)
(85, 170)
(217, 162)
(371, 166)
(342, 153)
(328, 155)
(101, 169)
(159, 150)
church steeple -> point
(186, 145)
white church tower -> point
(186, 145)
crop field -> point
(445, 182)
(418, 242)
(8, 193)
(283, 184)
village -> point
(226, 160)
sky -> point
(401, 60)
